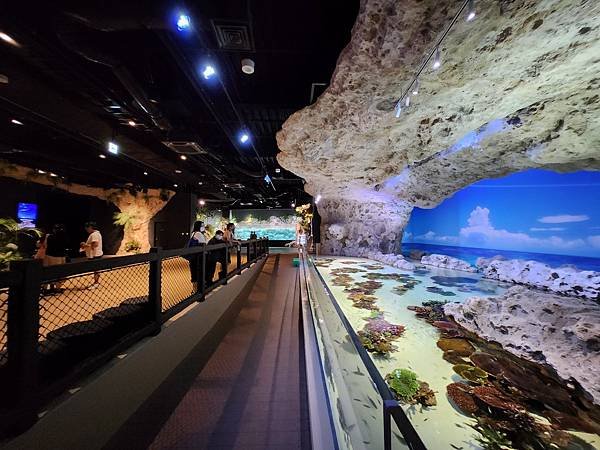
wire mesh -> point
(3, 326)
(87, 311)
(176, 279)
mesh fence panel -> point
(3, 326)
(76, 311)
(176, 281)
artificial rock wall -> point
(518, 88)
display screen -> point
(277, 225)
(27, 214)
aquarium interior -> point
(277, 225)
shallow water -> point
(441, 426)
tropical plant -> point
(9, 238)
(126, 219)
(133, 246)
(305, 213)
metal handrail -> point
(391, 406)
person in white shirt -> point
(197, 239)
(93, 248)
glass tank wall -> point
(277, 225)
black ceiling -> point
(84, 69)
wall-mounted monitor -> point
(27, 214)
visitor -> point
(56, 252)
(301, 238)
(215, 256)
(229, 237)
(92, 248)
(197, 239)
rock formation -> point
(562, 332)
(517, 89)
(140, 208)
(561, 280)
(447, 262)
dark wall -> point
(170, 228)
(58, 206)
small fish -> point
(456, 447)
(372, 402)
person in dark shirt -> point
(56, 253)
(215, 256)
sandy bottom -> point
(441, 426)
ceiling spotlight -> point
(145, 173)
(175, 185)
(53, 175)
(113, 148)
(16, 122)
(182, 157)
(202, 203)
(247, 66)
(131, 123)
(244, 137)
(437, 61)
(470, 10)
(200, 183)
(177, 171)
(278, 170)
(183, 22)
(208, 72)
(293, 205)
(9, 40)
(415, 90)
(41, 172)
(102, 156)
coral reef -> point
(376, 342)
(447, 262)
(431, 311)
(408, 389)
(562, 332)
(563, 280)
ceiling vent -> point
(233, 35)
(185, 147)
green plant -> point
(9, 237)
(126, 219)
(491, 439)
(403, 383)
(133, 246)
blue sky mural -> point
(532, 211)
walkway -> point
(251, 394)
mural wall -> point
(534, 215)
(277, 225)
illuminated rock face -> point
(518, 88)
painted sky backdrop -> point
(532, 211)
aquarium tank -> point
(277, 225)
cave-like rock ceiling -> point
(519, 87)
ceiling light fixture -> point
(247, 66)
(182, 157)
(244, 137)
(9, 40)
(113, 148)
(175, 185)
(131, 123)
(278, 170)
(202, 203)
(16, 122)
(293, 205)
(208, 72)
(177, 171)
(53, 175)
(267, 179)
(42, 172)
(471, 10)
(183, 22)
(145, 173)
(102, 156)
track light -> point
(202, 203)
(131, 123)
(113, 148)
(16, 122)
(183, 22)
(42, 172)
(175, 185)
(8, 39)
(182, 157)
(415, 90)
(244, 137)
(102, 156)
(177, 171)
(470, 10)
(208, 72)
(437, 61)
(145, 173)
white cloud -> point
(594, 241)
(438, 238)
(564, 218)
(548, 229)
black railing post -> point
(23, 333)
(154, 290)
(387, 428)
(203, 275)
(239, 258)
(226, 263)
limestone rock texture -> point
(518, 88)
(447, 262)
(562, 332)
(562, 280)
(141, 208)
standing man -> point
(93, 248)
(215, 256)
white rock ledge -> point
(447, 262)
(563, 332)
(390, 259)
(563, 280)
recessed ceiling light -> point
(41, 171)
(202, 202)
(113, 148)
(277, 170)
(53, 174)
(145, 173)
(182, 157)
(102, 156)
(177, 171)
(208, 72)
(175, 185)
(247, 66)
(183, 22)
(200, 183)
(244, 137)
(16, 122)
(131, 123)
(9, 40)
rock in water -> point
(447, 262)
(563, 332)
(562, 280)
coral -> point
(440, 291)
(425, 395)
(461, 347)
(404, 384)
(376, 323)
(342, 270)
(431, 311)
(494, 398)
(461, 395)
(471, 373)
(363, 301)
(376, 342)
